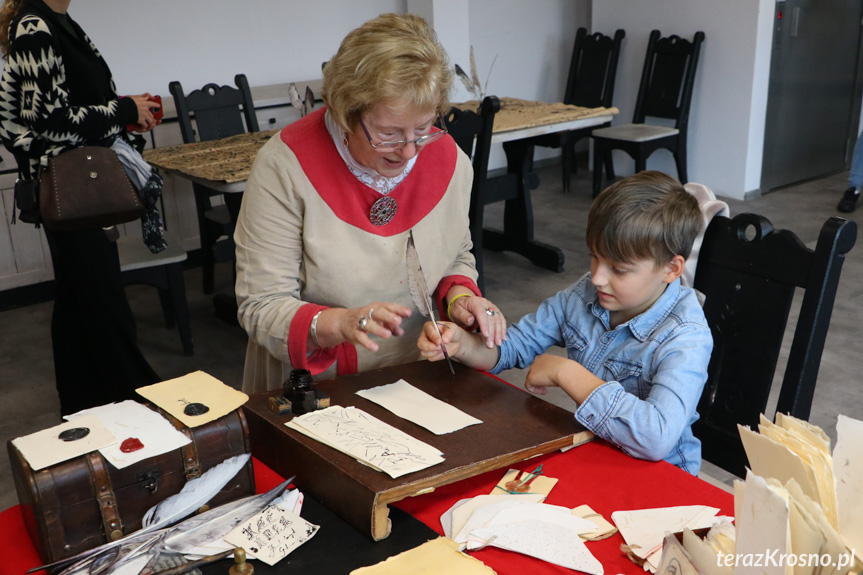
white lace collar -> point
(366, 175)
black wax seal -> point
(74, 433)
(196, 409)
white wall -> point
(726, 129)
(277, 41)
(149, 44)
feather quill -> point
(465, 79)
(195, 493)
(219, 521)
(473, 73)
(420, 292)
(309, 102)
(295, 98)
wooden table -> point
(516, 426)
(224, 165)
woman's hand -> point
(355, 326)
(145, 104)
(470, 311)
(468, 348)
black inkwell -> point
(299, 395)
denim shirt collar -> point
(645, 323)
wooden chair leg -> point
(177, 288)
(167, 303)
(598, 158)
(680, 161)
(567, 147)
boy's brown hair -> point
(644, 216)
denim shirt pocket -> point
(627, 373)
(573, 338)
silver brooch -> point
(383, 211)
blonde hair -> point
(394, 58)
(645, 216)
(7, 14)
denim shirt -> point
(654, 366)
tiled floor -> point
(29, 401)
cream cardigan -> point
(298, 246)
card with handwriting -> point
(272, 534)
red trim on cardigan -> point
(349, 198)
(320, 359)
(444, 286)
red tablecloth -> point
(595, 474)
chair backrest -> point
(472, 131)
(593, 69)
(219, 111)
(668, 79)
(749, 272)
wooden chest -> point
(84, 502)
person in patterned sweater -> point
(57, 93)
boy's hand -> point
(549, 370)
(429, 343)
(545, 372)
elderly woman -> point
(322, 279)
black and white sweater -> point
(56, 91)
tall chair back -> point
(589, 84)
(665, 91)
(472, 132)
(218, 112)
(667, 79)
(749, 272)
(593, 69)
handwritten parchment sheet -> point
(367, 439)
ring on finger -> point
(362, 323)
(371, 311)
(490, 310)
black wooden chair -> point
(218, 112)
(472, 132)
(665, 92)
(749, 272)
(590, 84)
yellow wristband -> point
(452, 301)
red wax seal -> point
(131, 444)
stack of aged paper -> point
(797, 513)
(800, 499)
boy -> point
(637, 342)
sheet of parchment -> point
(417, 406)
(367, 439)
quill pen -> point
(419, 291)
(195, 493)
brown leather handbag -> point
(86, 188)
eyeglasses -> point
(421, 141)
